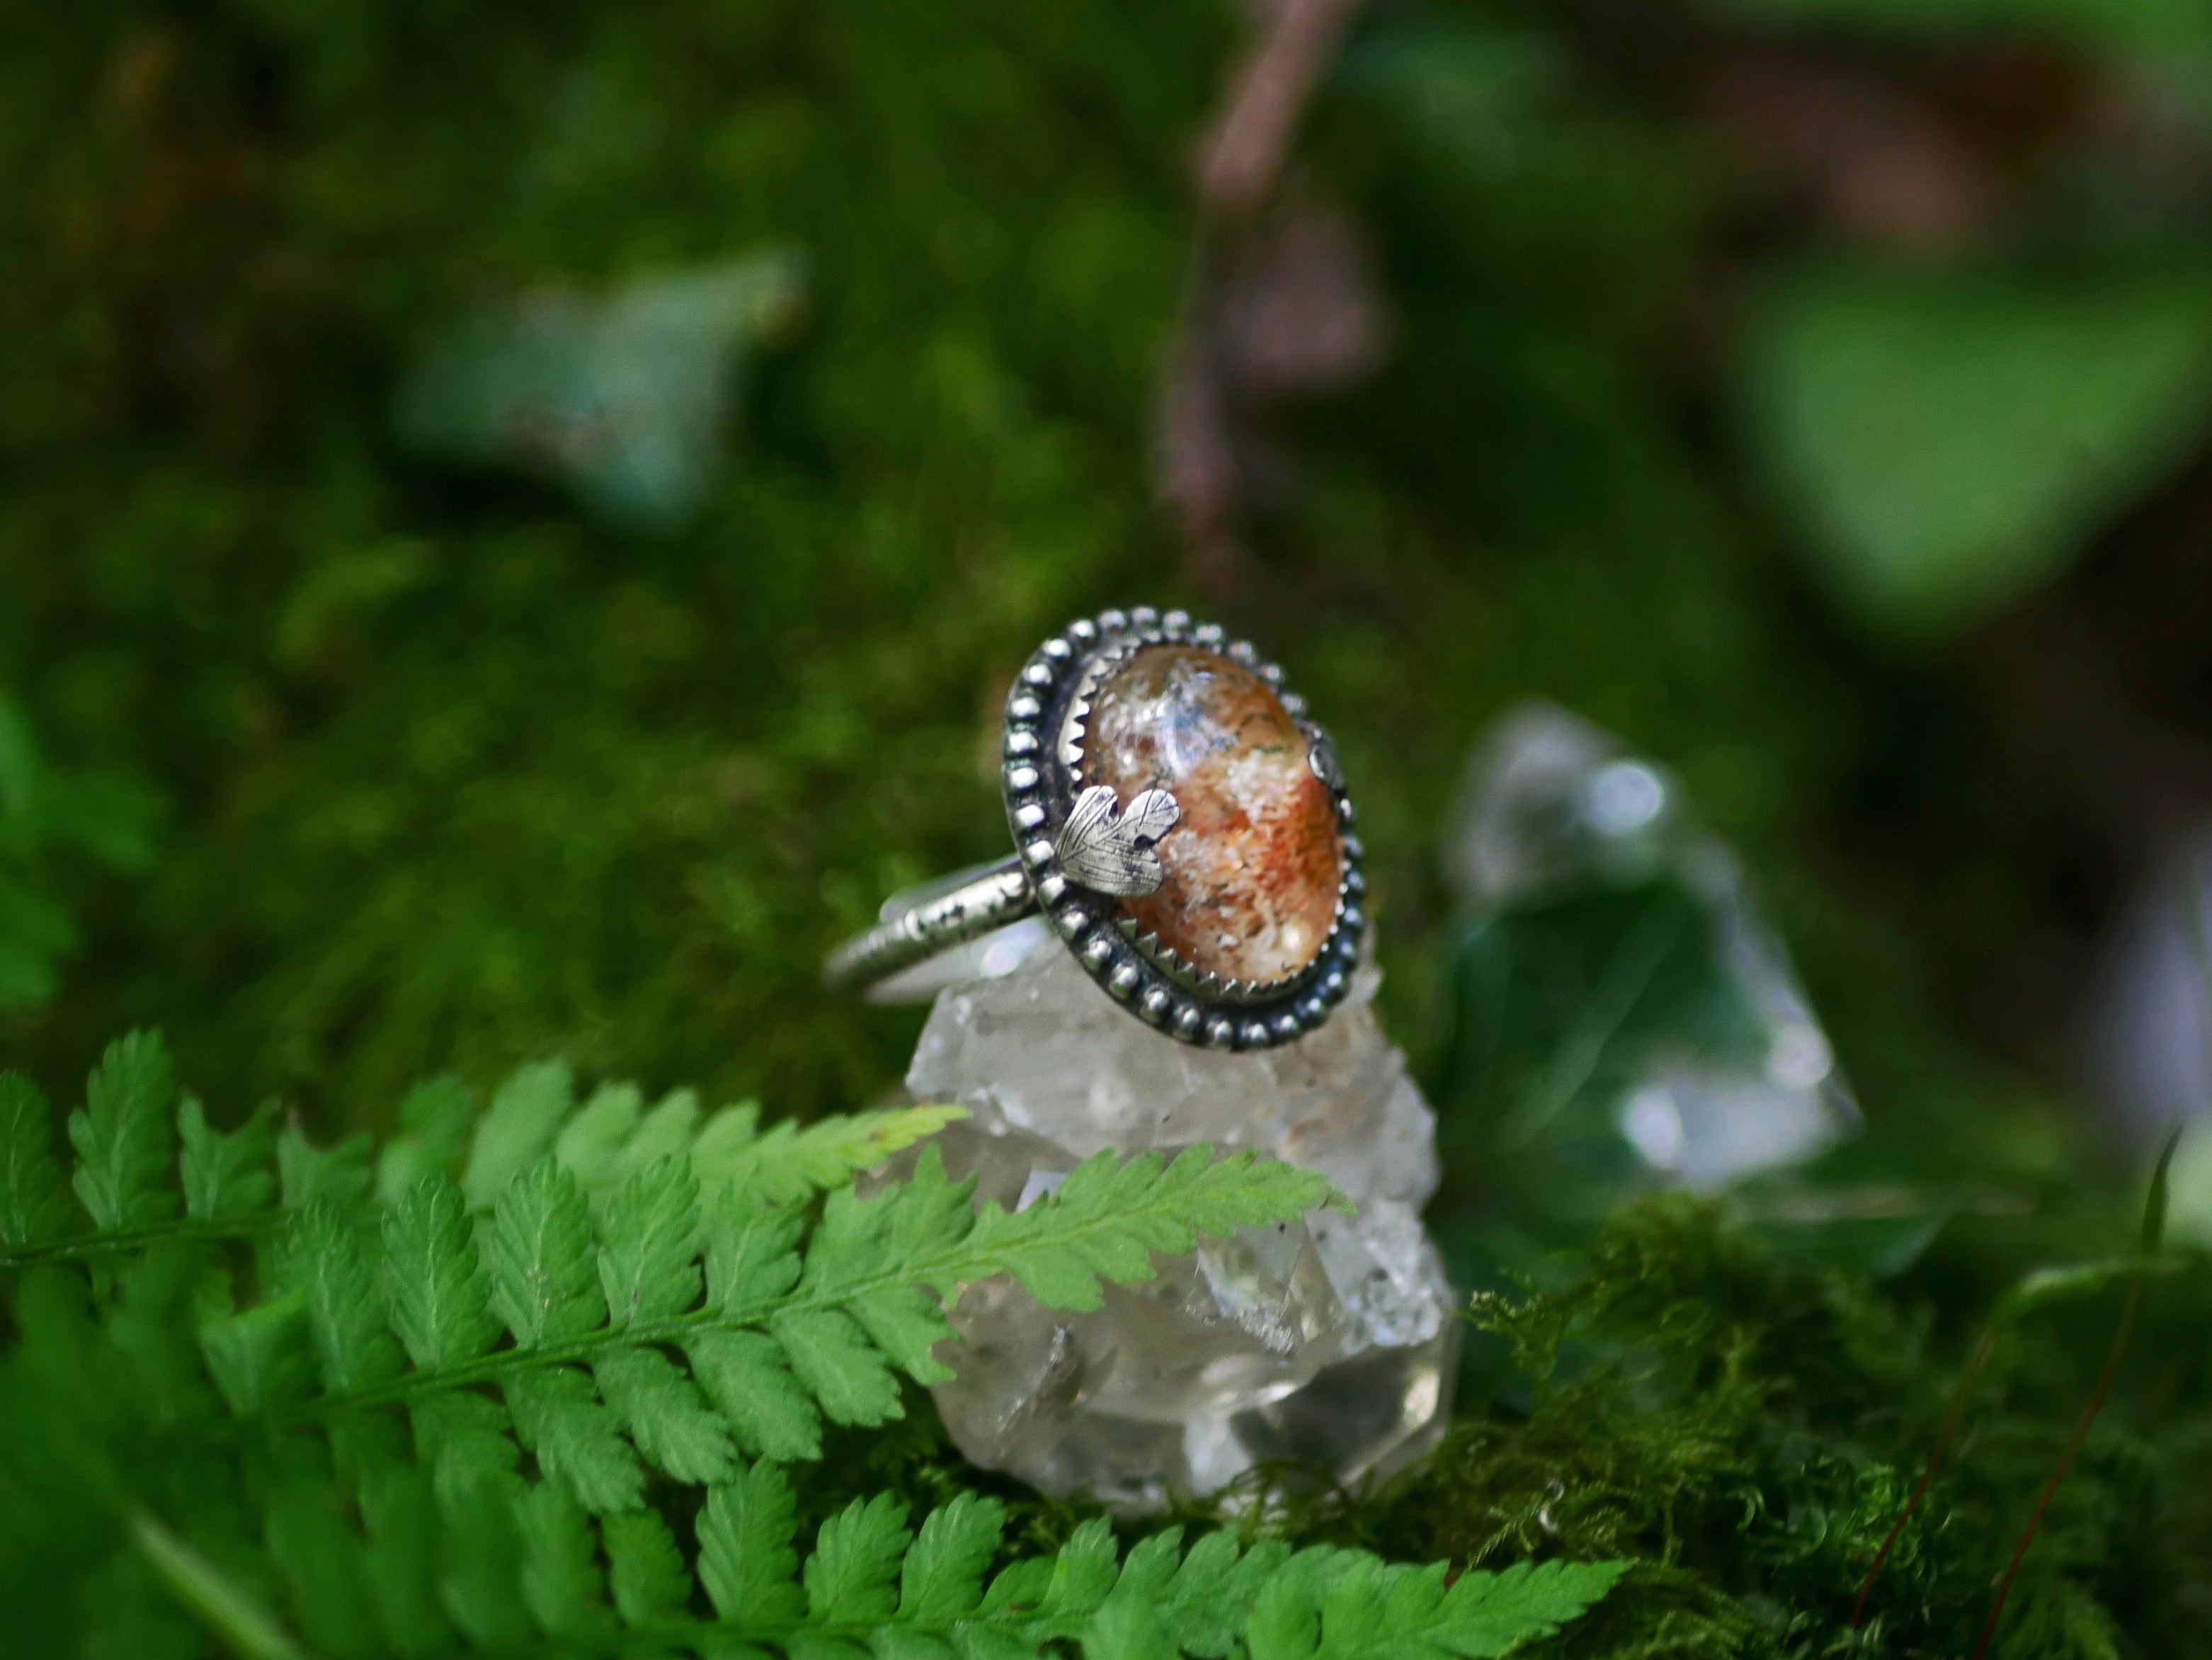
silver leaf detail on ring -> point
(1109, 848)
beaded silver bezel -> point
(1040, 772)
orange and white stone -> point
(1254, 861)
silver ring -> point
(1181, 823)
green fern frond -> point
(613, 1137)
(228, 1187)
(450, 1414)
(787, 1163)
(525, 1565)
(1109, 1217)
(792, 1325)
(1336, 1605)
(649, 1333)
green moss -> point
(507, 783)
(1751, 1430)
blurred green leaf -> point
(1944, 443)
(2189, 1210)
(624, 400)
(2159, 1199)
(2043, 1287)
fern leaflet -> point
(31, 1208)
(122, 1136)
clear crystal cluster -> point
(1326, 1347)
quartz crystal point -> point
(1325, 1348)
(1590, 889)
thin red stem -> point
(1951, 1417)
(2066, 1458)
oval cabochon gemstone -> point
(1254, 863)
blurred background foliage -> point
(466, 761)
(515, 520)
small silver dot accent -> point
(1028, 817)
(1038, 674)
(1024, 708)
(1021, 780)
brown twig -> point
(1198, 468)
(2066, 1458)
(1267, 95)
(2024, 1297)
(1952, 1416)
(2147, 1241)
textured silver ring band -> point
(1178, 821)
(936, 923)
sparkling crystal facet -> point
(1327, 1344)
(1252, 864)
(1730, 1076)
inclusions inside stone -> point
(1254, 861)
(1326, 1347)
